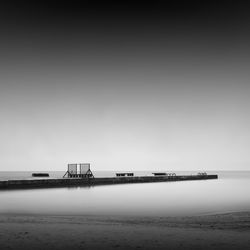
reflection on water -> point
(226, 194)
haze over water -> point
(226, 194)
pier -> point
(75, 182)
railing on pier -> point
(124, 174)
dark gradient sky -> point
(125, 86)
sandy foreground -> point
(227, 231)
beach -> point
(218, 231)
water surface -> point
(227, 194)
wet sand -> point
(226, 231)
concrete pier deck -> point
(67, 182)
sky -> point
(125, 86)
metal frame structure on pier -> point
(79, 170)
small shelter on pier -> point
(81, 170)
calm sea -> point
(229, 193)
